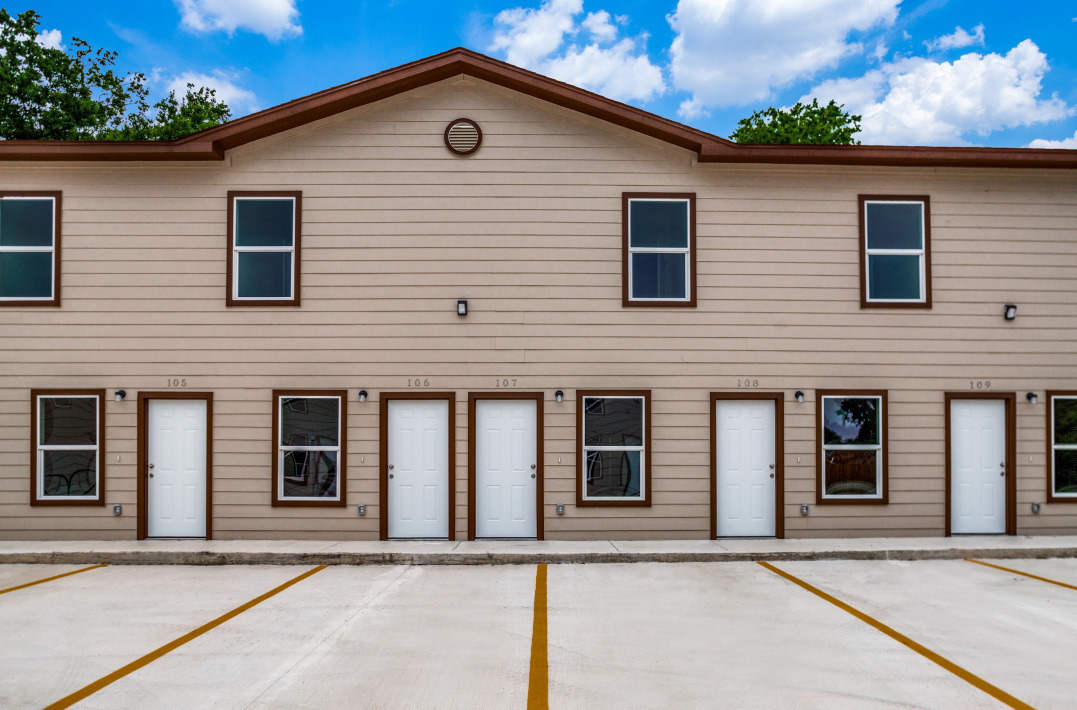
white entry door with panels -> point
(746, 468)
(978, 466)
(177, 485)
(506, 468)
(418, 468)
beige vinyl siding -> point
(396, 229)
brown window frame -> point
(626, 297)
(862, 201)
(275, 500)
(230, 299)
(884, 432)
(35, 394)
(1053, 497)
(581, 454)
(57, 197)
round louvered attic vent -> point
(463, 136)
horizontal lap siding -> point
(528, 229)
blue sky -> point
(921, 72)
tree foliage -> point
(804, 123)
(52, 94)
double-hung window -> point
(852, 447)
(29, 248)
(68, 458)
(658, 262)
(1062, 433)
(614, 431)
(309, 435)
(263, 243)
(895, 251)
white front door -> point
(746, 468)
(506, 468)
(978, 466)
(418, 468)
(176, 473)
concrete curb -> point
(177, 557)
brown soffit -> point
(212, 143)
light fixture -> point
(800, 396)
(1009, 311)
(362, 395)
(804, 509)
(120, 394)
(117, 509)
(1036, 508)
(461, 307)
(1032, 398)
(362, 509)
(559, 395)
(560, 508)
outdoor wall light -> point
(362, 509)
(461, 307)
(559, 395)
(1009, 311)
(120, 394)
(1032, 398)
(1036, 508)
(362, 395)
(560, 508)
(804, 509)
(117, 509)
(800, 396)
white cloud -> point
(273, 18)
(735, 52)
(240, 100)
(51, 39)
(543, 40)
(1070, 143)
(915, 101)
(959, 38)
(880, 52)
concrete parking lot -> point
(688, 635)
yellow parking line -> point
(1023, 574)
(538, 682)
(49, 579)
(172, 646)
(994, 692)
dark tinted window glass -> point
(25, 223)
(1066, 471)
(265, 274)
(26, 274)
(851, 472)
(67, 421)
(613, 473)
(264, 223)
(1065, 421)
(657, 275)
(613, 422)
(891, 276)
(895, 226)
(850, 420)
(658, 224)
(69, 473)
(309, 421)
(310, 474)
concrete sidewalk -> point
(494, 552)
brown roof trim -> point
(212, 143)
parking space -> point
(619, 635)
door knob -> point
(391, 475)
(151, 474)
(534, 466)
(1002, 473)
(390, 467)
(772, 467)
(532, 475)
(151, 465)
(772, 475)
(1003, 464)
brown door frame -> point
(142, 490)
(383, 457)
(1010, 398)
(779, 455)
(539, 397)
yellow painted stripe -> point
(172, 646)
(994, 692)
(1023, 574)
(538, 682)
(49, 579)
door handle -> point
(391, 475)
(532, 475)
(151, 474)
(390, 467)
(772, 475)
(151, 465)
(772, 467)
(534, 466)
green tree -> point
(804, 123)
(52, 94)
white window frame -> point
(236, 249)
(687, 251)
(877, 448)
(585, 450)
(50, 249)
(1058, 447)
(283, 449)
(40, 449)
(921, 252)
